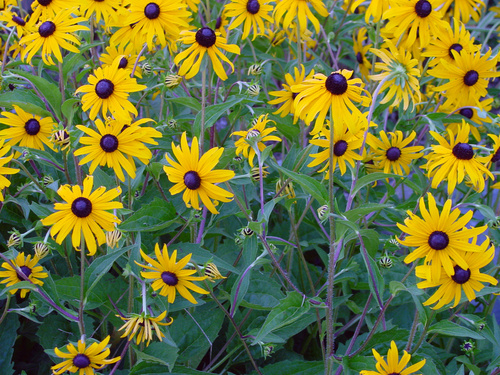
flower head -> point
(115, 144)
(393, 365)
(26, 130)
(195, 176)
(252, 13)
(400, 72)
(319, 94)
(393, 156)
(441, 237)
(258, 132)
(454, 159)
(290, 11)
(28, 266)
(143, 325)
(4, 181)
(127, 57)
(50, 35)
(205, 40)
(469, 279)
(84, 212)
(83, 359)
(108, 90)
(361, 48)
(169, 276)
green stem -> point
(203, 104)
(30, 176)
(81, 324)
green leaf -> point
(146, 368)
(202, 256)
(370, 178)
(8, 337)
(159, 352)
(377, 282)
(263, 293)
(100, 267)
(309, 184)
(447, 328)
(289, 310)
(359, 212)
(69, 107)
(152, 217)
(214, 112)
(49, 90)
(297, 367)
(25, 99)
(268, 209)
(192, 103)
(239, 289)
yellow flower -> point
(196, 177)
(143, 325)
(252, 12)
(84, 212)
(28, 266)
(299, 9)
(442, 238)
(169, 276)
(393, 364)
(4, 182)
(83, 359)
(259, 133)
(205, 40)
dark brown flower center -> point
(44, 2)
(455, 47)
(109, 143)
(81, 360)
(253, 6)
(123, 63)
(169, 278)
(359, 58)
(192, 180)
(336, 83)
(46, 29)
(218, 23)
(32, 126)
(18, 20)
(104, 88)
(25, 270)
(471, 78)
(467, 112)
(393, 153)
(463, 151)
(438, 240)
(81, 207)
(339, 148)
(423, 8)
(152, 11)
(496, 156)
(461, 276)
(205, 37)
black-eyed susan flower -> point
(173, 80)
(344, 144)
(127, 55)
(259, 133)
(26, 130)
(114, 146)
(319, 94)
(84, 212)
(196, 176)
(393, 366)
(158, 22)
(51, 35)
(28, 266)
(43, 9)
(143, 326)
(456, 39)
(4, 181)
(361, 49)
(468, 279)
(113, 238)
(61, 139)
(441, 237)
(84, 359)
(408, 16)
(205, 40)
(399, 71)
(494, 157)
(212, 273)
(12, 19)
(107, 10)
(252, 13)
(454, 159)
(463, 10)
(108, 91)
(467, 77)
(290, 11)
(375, 9)
(286, 97)
(169, 276)
(394, 155)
